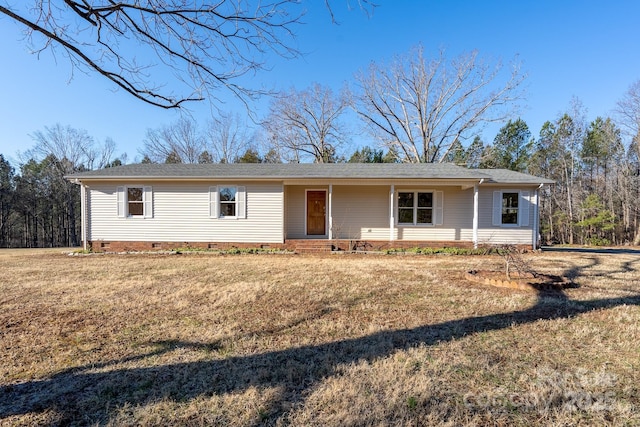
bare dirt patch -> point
(243, 340)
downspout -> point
(476, 203)
(83, 215)
(330, 234)
(284, 213)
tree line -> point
(38, 206)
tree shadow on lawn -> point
(81, 395)
(594, 262)
(593, 250)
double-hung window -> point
(511, 208)
(419, 207)
(415, 208)
(134, 201)
(227, 201)
(509, 213)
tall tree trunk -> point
(569, 207)
(636, 240)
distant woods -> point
(38, 207)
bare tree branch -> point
(307, 124)
(179, 142)
(207, 46)
(628, 109)
(424, 108)
(75, 149)
(227, 138)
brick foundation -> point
(297, 245)
(138, 246)
(381, 245)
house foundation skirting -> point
(295, 245)
(143, 246)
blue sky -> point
(586, 49)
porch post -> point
(391, 218)
(330, 234)
(475, 216)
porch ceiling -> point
(463, 184)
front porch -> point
(368, 215)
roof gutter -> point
(252, 178)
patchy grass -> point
(203, 339)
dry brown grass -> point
(202, 339)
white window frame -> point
(136, 202)
(232, 189)
(122, 196)
(523, 208)
(436, 208)
(215, 203)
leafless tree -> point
(69, 150)
(307, 124)
(74, 148)
(227, 138)
(205, 46)
(628, 109)
(179, 142)
(422, 107)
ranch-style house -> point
(313, 207)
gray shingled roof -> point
(506, 176)
(302, 170)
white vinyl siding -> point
(490, 229)
(360, 212)
(524, 209)
(295, 211)
(182, 213)
(186, 212)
